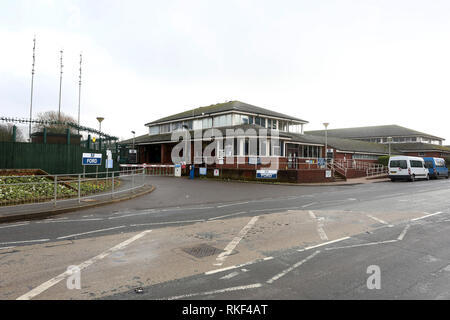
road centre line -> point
(232, 204)
(250, 286)
(15, 225)
(170, 222)
(309, 204)
(75, 220)
(24, 241)
(274, 209)
(227, 215)
(50, 283)
(89, 232)
(4, 248)
(323, 244)
(233, 243)
(426, 216)
(230, 275)
(298, 264)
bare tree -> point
(51, 118)
(6, 133)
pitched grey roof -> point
(418, 147)
(343, 144)
(373, 131)
(227, 106)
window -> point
(154, 130)
(440, 163)
(260, 121)
(222, 121)
(398, 164)
(176, 126)
(429, 164)
(165, 128)
(197, 124)
(365, 156)
(206, 123)
(188, 124)
(416, 164)
(269, 123)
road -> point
(227, 240)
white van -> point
(407, 168)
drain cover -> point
(202, 250)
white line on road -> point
(238, 265)
(227, 215)
(402, 235)
(250, 286)
(159, 223)
(233, 243)
(379, 220)
(50, 283)
(24, 241)
(362, 244)
(323, 244)
(232, 204)
(230, 275)
(4, 248)
(15, 225)
(89, 232)
(426, 216)
(320, 231)
(284, 272)
(309, 204)
(76, 220)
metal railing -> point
(150, 169)
(57, 188)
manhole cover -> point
(202, 250)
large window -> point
(154, 130)
(165, 128)
(206, 123)
(398, 164)
(222, 121)
(260, 121)
(176, 126)
(197, 124)
(364, 156)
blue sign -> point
(266, 174)
(92, 159)
(202, 171)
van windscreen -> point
(429, 164)
(398, 164)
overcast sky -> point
(350, 63)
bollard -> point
(79, 188)
(55, 190)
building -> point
(382, 134)
(236, 124)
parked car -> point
(436, 167)
(407, 168)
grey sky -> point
(350, 63)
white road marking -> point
(233, 243)
(15, 225)
(227, 215)
(309, 204)
(274, 209)
(230, 275)
(426, 216)
(323, 244)
(402, 235)
(4, 248)
(237, 266)
(24, 241)
(284, 272)
(232, 204)
(363, 244)
(77, 220)
(250, 286)
(320, 231)
(50, 283)
(379, 220)
(159, 223)
(89, 232)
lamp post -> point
(389, 139)
(133, 137)
(326, 141)
(100, 119)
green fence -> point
(52, 158)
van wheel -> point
(446, 177)
(413, 178)
(428, 177)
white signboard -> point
(216, 172)
(327, 173)
(92, 159)
(266, 174)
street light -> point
(100, 119)
(389, 139)
(326, 141)
(133, 137)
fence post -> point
(79, 188)
(55, 178)
(132, 181)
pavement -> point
(206, 239)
